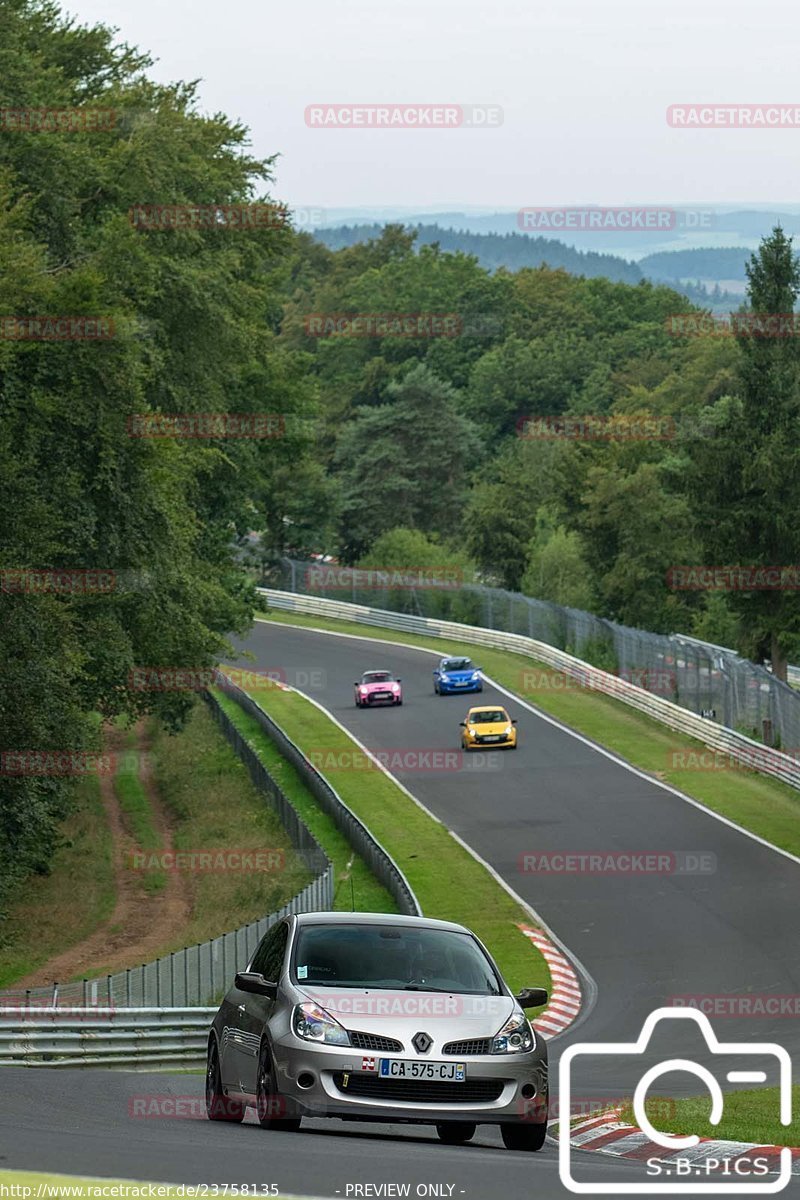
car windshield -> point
(376, 677)
(392, 956)
(487, 716)
(457, 664)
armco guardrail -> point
(740, 748)
(382, 865)
(104, 1037)
(706, 679)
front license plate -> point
(492, 737)
(462, 682)
(398, 1068)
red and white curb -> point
(609, 1135)
(565, 995)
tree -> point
(557, 569)
(746, 480)
(407, 462)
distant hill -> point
(705, 262)
(517, 250)
(492, 250)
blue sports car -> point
(457, 675)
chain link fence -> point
(709, 680)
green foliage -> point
(557, 568)
(193, 312)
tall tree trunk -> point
(778, 658)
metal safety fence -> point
(149, 1038)
(379, 861)
(704, 679)
(735, 745)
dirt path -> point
(141, 923)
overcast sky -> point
(584, 86)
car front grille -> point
(418, 1091)
(373, 1041)
(474, 1046)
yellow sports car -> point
(487, 726)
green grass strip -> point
(356, 886)
(758, 803)
(138, 814)
(448, 882)
(748, 1116)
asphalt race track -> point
(643, 939)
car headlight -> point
(476, 675)
(313, 1023)
(516, 1036)
(395, 687)
(444, 678)
(363, 691)
(472, 729)
(508, 729)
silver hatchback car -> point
(377, 1017)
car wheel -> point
(269, 1101)
(523, 1137)
(218, 1106)
(455, 1133)
(436, 691)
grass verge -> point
(748, 1116)
(214, 806)
(68, 903)
(356, 886)
(446, 879)
(756, 802)
(137, 812)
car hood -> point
(492, 727)
(445, 1016)
(380, 687)
(466, 674)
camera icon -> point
(669, 1141)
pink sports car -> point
(378, 687)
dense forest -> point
(409, 444)
(517, 250)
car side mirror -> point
(398, 681)
(255, 983)
(513, 720)
(531, 997)
(464, 723)
(355, 683)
